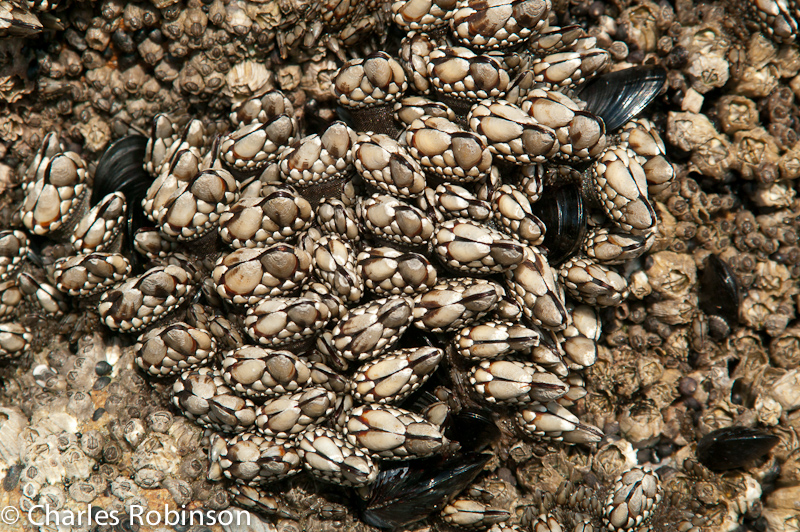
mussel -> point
(121, 169)
(473, 429)
(411, 490)
(414, 489)
(563, 213)
(720, 297)
(733, 447)
(619, 96)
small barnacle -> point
(785, 349)
(237, 21)
(760, 308)
(71, 62)
(83, 492)
(191, 467)
(642, 25)
(112, 452)
(190, 80)
(246, 80)
(708, 72)
(773, 195)
(133, 79)
(755, 81)
(148, 477)
(195, 22)
(151, 52)
(671, 274)
(81, 405)
(736, 113)
(754, 148)
(688, 131)
(76, 464)
(97, 38)
(159, 421)
(641, 423)
(52, 497)
(180, 490)
(92, 442)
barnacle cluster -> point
(296, 263)
(282, 258)
(778, 19)
(729, 230)
(115, 64)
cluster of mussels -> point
(475, 184)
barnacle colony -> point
(274, 275)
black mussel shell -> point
(121, 169)
(412, 490)
(720, 292)
(618, 96)
(473, 429)
(564, 215)
(734, 447)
